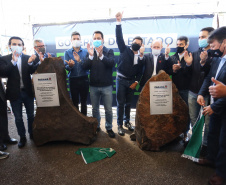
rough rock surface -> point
(64, 122)
(154, 131)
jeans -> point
(79, 88)
(194, 110)
(17, 111)
(104, 93)
(184, 96)
(124, 97)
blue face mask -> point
(203, 43)
(97, 43)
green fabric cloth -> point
(192, 151)
(95, 154)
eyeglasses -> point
(42, 46)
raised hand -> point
(176, 67)
(119, 16)
(76, 56)
(41, 56)
(71, 62)
(142, 49)
(167, 50)
(15, 56)
(32, 58)
(203, 57)
(49, 55)
(188, 58)
(217, 91)
(100, 50)
(90, 50)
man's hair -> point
(139, 38)
(37, 40)
(99, 32)
(14, 37)
(218, 34)
(208, 29)
(75, 33)
(181, 38)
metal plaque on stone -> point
(161, 99)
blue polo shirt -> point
(76, 70)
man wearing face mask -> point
(78, 77)
(180, 69)
(216, 146)
(129, 72)
(201, 64)
(40, 50)
(155, 61)
(100, 61)
(18, 68)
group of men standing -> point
(191, 73)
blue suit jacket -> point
(219, 105)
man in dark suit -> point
(4, 133)
(129, 72)
(155, 61)
(216, 145)
(40, 51)
(18, 68)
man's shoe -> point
(22, 142)
(11, 141)
(205, 162)
(216, 180)
(3, 155)
(98, 129)
(3, 147)
(111, 133)
(121, 131)
(203, 152)
(133, 137)
(129, 126)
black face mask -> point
(180, 49)
(42, 50)
(135, 46)
(214, 53)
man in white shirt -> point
(154, 61)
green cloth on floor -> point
(95, 154)
(192, 151)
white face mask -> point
(156, 51)
(18, 49)
(76, 43)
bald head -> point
(156, 44)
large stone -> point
(154, 131)
(65, 122)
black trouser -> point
(4, 133)
(79, 88)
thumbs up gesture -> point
(167, 50)
(217, 91)
(176, 67)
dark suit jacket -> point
(219, 105)
(148, 63)
(8, 70)
(2, 92)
